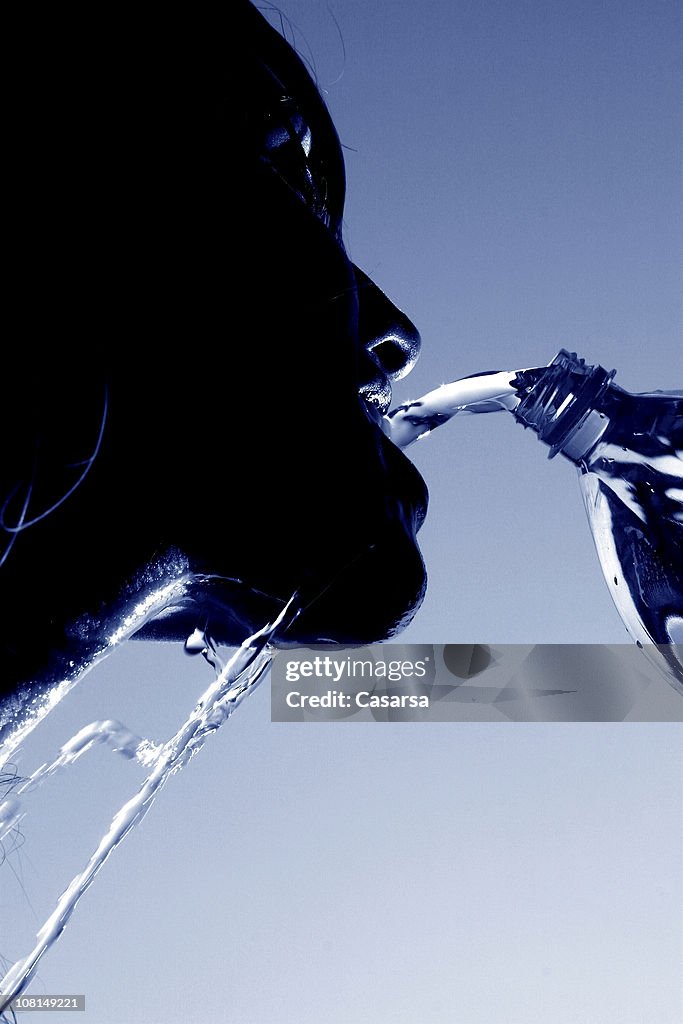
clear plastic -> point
(628, 449)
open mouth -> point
(374, 410)
(376, 398)
(406, 485)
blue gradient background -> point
(515, 186)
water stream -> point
(233, 682)
(483, 392)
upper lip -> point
(376, 393)
(374, 409)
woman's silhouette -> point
(199, 371)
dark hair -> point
(117, 128)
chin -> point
(363, 587)
(370, 599)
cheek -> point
(295, 289)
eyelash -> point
(288, 147)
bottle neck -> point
(561, 403)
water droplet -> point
(196, 642)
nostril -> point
(391, 356)
(391, 340)
(396, 353)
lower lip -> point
(407, 482)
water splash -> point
(22, 712)
(233, 682)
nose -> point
(391, 341)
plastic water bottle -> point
(628, 449)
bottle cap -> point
(559, 403)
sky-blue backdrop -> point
(515, 185)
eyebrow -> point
(300, 142)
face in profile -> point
(225, 361)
